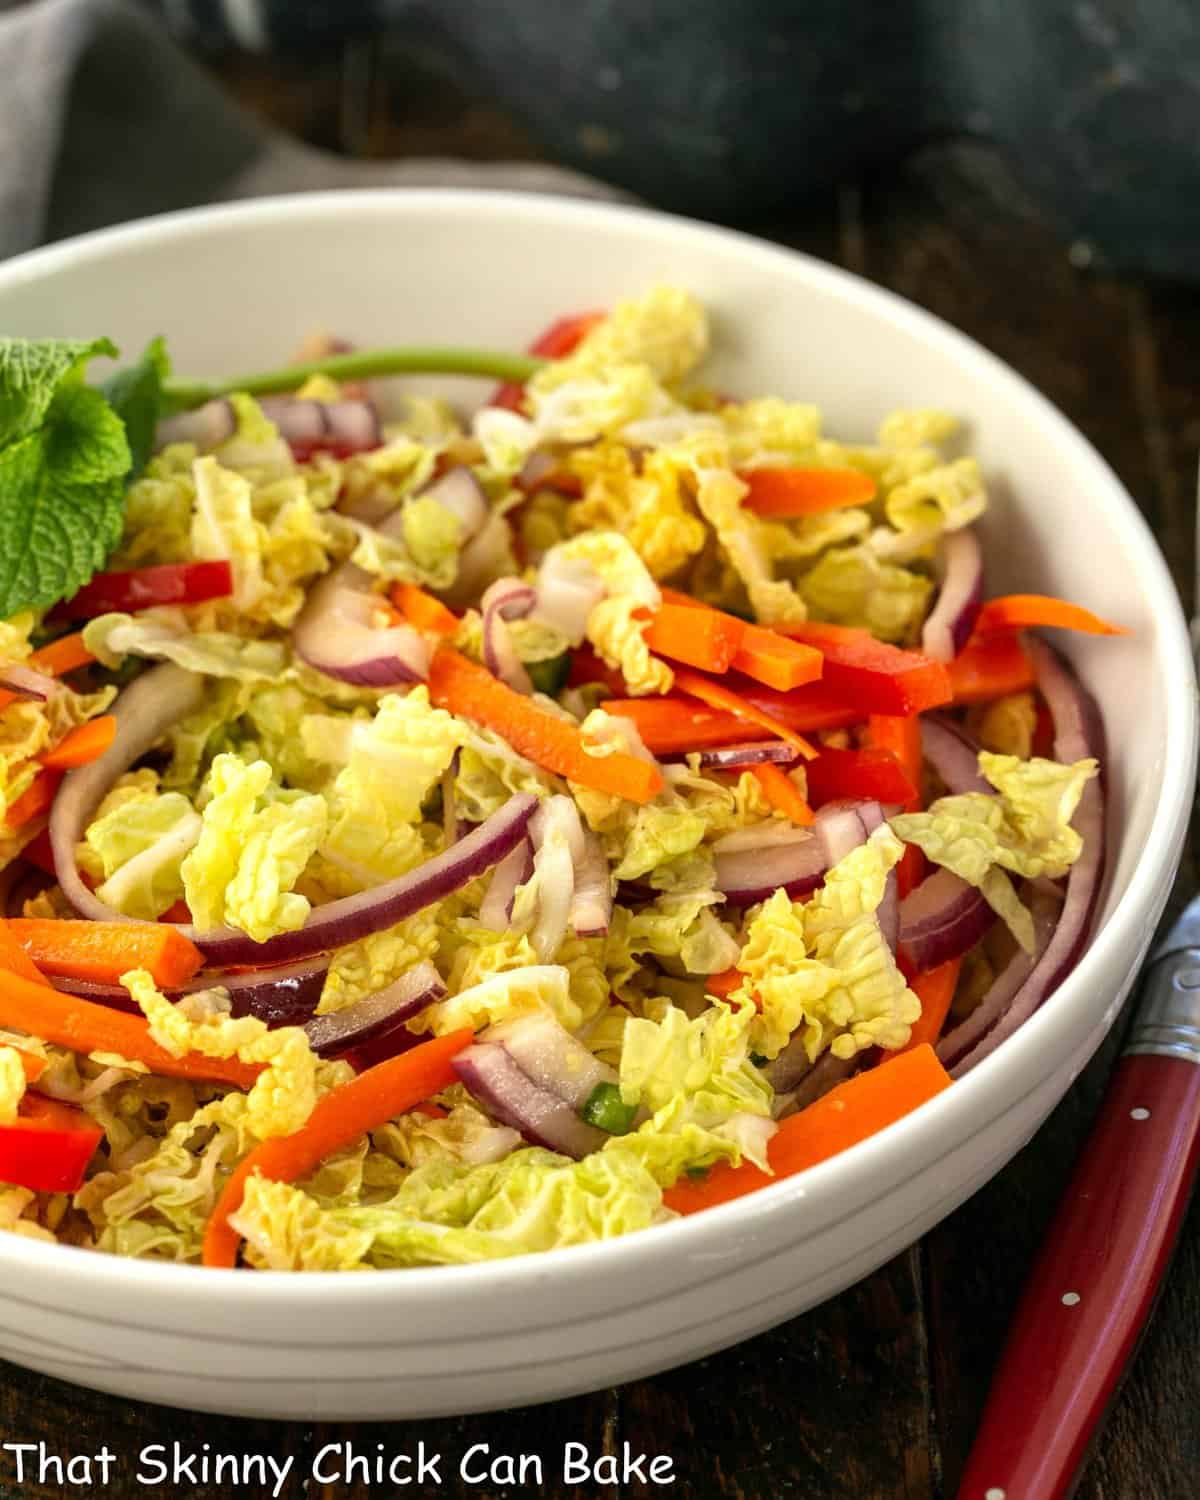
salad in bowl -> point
(432, 838)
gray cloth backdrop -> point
(103, 119)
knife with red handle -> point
(1101, 1267)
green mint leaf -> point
(136, 395)
(31, 371)
(64, 457)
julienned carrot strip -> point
(15, 960)
(33, 1067)
(34, 800)
(83, 1026)
(763, 654)
(423, 611)
(469, 690)
(935, 990)
(901, 734)
(103, 951)
(782, 793)
(675, 726)
(65, 655)
(703, 638)
(339, 1118)
(991, 667)
(82, 745)
(1019, 611)
(772, 659)
(787, 492)
(723, 984)
(717, 695)
(855, 1110)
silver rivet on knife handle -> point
(1167, 1022)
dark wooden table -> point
(876, 1393)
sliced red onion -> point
(568, 589)
(752, 875)
(534, 472)
(353, 917)
(354, 426)
(843, 826)
(283, 996)
(506, 599)
(372, 1016)
(557, 836)
(147, 708)
(463, 495)
(827, 1073)
(888, 911)
(495, 910)
(752, 864)
(592, 902)
(208, 426)
(334, 633)
(510, 1096)
(450, 802)
(762, 836)
(957, 1045)
(27, 683)
(300, 422)
(732, 757)
(952, 618)
(799, 1083)
(1078, 734)
(144, 712)
(953, 754)
(940, 919)
(483, 558)
(348, 426)
(551, 1057)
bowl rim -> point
(917, 1141)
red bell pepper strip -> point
(815, 706)
(870, 775)
(48, 1148)
(586, 667)
(991, 667)
(144, 588)
(873, 676)
(902, 736)
(563, 337)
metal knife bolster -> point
(1167, 1020)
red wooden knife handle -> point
(1093, 1285)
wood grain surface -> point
(874, 1395)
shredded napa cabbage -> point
(823, 967)
(1025, 830)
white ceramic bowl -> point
(234, 289)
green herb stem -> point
(368, 364)
(605, 1108)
